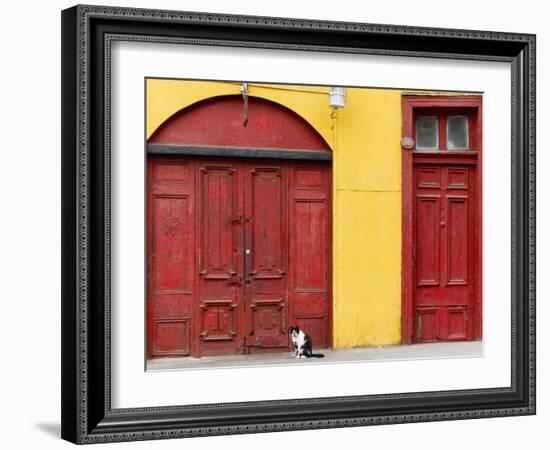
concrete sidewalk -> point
(363, 354)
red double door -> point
(238, 250)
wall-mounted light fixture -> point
(337, 97)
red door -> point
(266, 256)
(238, 251)
(444, 248)
(171, 305)
(219, 299)
(441, 218)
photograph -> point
(277, 224)
(332, 224)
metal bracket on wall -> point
(244, 92)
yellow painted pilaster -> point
(367, 220)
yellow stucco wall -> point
(364, 137)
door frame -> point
(408, 105)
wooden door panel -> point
(457, 240)
(316, 328)
(169, 305)
(309, 303)
(266, 325)
(268, 214)
(427, 321)
(220, 303)
(457, 326)
(266, 257)
(457, 178)
(428, 209)
(171, 252)
(310, 220)
(219, 198)
(218, 321)
(310, 250)
(428, 177)
(171, 337)
(171, 172)
(441, 323)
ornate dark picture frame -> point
(87, 34)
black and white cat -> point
(302, 344)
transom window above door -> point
(444, 130)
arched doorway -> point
(238, 230)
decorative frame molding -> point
(87, 34)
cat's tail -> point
(317, 355)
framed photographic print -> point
(282, 224)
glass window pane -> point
(457, 132)
(427, 132)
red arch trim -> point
(218, 122)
